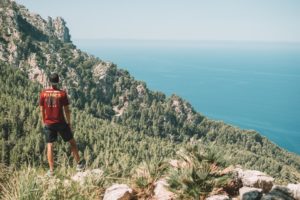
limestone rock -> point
(233, 186)
(141, 90)
(183, 109)
(176, 104)
(61, 30)
(101, 70)
(257, 179)
(247, 193)
(295, 189)
(35, 73)
(278, 193)
(218, 197)
(160, 191)
(82, 177)
(120, 111)
(117, 192)
(178, 164)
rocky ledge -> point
(254, 185)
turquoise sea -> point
(246, 84)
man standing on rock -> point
(54, 104)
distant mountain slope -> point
(109, 96)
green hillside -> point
(118, 122)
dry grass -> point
(30, 184)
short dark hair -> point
(53, 78)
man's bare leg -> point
(74, 150)
(50, 156)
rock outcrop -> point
(118, 192)
(60, 29)
(161, 192)
(218, 197)
(52, 27)
(295, 190)
(256, 179)
(99, 70)
(247, 193)
(183, 109)
(35, 73)
(88, 175)
(20, 29)
(278, 193)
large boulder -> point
(256, 179)
(118, 192)
(88, 175)
(218, 197)
(161, 192)
(278, 193)
(247, 193)
(295, 189)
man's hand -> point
(69, 124)
(68, 115)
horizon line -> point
(191, 40)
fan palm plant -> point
(199, 176)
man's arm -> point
(68, 114)
(42, 113)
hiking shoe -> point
(50, 173)
(80, 166)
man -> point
(54, 103)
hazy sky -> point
(259, 20)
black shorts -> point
(63, 129)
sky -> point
(237, 20)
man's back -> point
(54, 104)
(53, 100)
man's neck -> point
(54, 87)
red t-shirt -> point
(53, 101)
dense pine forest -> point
(118, 122)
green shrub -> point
(198, 175)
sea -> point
(251, 85)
